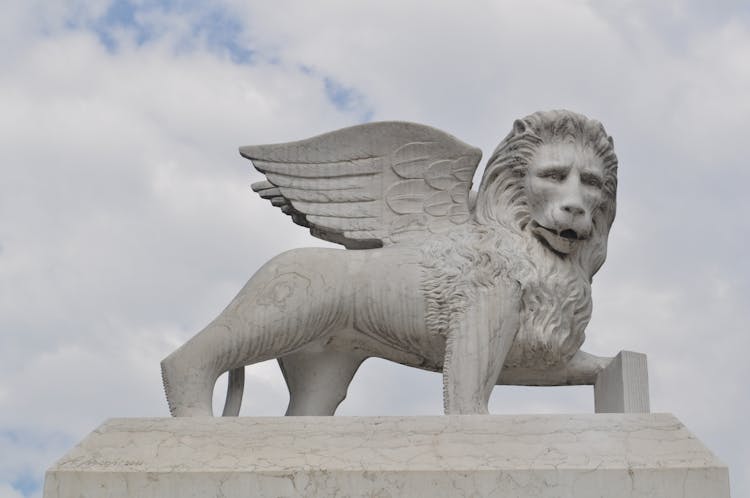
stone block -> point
(622, 387)
(536, 456)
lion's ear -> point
(519, 127)
(611, 141)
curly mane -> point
(502, 197)
(496, 249)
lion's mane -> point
(496, 248)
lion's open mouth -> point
(560, 241)
(568, 234)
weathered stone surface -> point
(487, 287)
(525, 456)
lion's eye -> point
(553, 175)
(591, 181)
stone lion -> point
(492, 287)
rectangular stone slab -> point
(581, 456)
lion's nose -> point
(573, 209)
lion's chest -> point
(554, 315)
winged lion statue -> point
(488, 287)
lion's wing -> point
(370, 185)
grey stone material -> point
(488, 287)
(622, 387)
(530, 456)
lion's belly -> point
(389, 306)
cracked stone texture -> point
(539, 456)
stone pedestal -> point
(539, 456)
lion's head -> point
(555, 177)
(542, 217)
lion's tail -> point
(235, 388)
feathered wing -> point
(370, 185)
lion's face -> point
(564, 184)
(554, 179)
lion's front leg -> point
(478, 342)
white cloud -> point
(6, 491)
(126, 219)
(127, 223)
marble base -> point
(539, 456)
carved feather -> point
(370, 185)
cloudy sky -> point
(127, 222)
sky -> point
(127, 222)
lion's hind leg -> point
(187, 386)
(318, 380)
(190, 372)
(286, 305)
